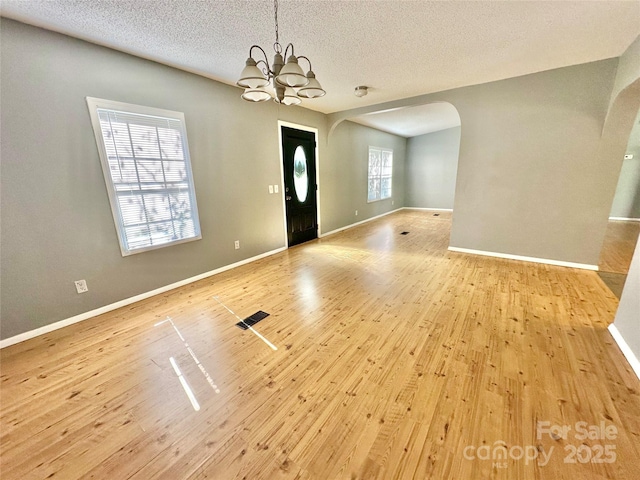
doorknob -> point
(287, 198)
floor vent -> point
(252, 320)
(436, 214)
(404, 233)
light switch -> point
(275, 187)
(270, 188)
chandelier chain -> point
(275, 9)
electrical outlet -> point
(270, 188)
(237, 244)
(275, 188)
(392, 202)
(356, 213)
(81, 286)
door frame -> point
(304, 128)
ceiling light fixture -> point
(288, 79)
(361, 91)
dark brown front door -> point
(299, 158)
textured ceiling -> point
(398, 48)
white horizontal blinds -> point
(386, 173)
(380, 174)
(375, 162)
(151, 178)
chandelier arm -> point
(302, 56)
(259, 48)
(266, 59)
(266, 70)
(287, 49)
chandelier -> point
(288, 79)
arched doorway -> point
(622, 123)
(433, 133)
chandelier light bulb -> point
(291, 74)
(311, 89)
(289, 98)
(251, 76)
(256, 95)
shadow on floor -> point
(615, 282)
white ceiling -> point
(399, 48)
(412, 121)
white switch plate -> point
(81, 286)
(628, 156)
(275, 188)
(270, 188)
(237, 244)
(356, 213)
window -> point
(300, 176)
(380, 173)
(145, 161)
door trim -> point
(304, 128)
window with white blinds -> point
(147, 170)
(380, 174)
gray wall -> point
(343, 183)
(432, 165)
(628, 316)
(529, 179)
(626, 203)
(57, 225)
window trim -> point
(93, 105)
(381, 149)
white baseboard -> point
(525, 259)
(342, 229)
(624, 219)
(626, 349)
(128, 301)
(429, 209)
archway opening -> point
(623, 226)
(433, 133)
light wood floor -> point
(617, 252)
(619, 244)
(396, 359)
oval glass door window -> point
(300, 178)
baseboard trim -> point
(128, 301)
(624, 219)
(429, 209)
(625, 349)
(508, 256)
(342, 229)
